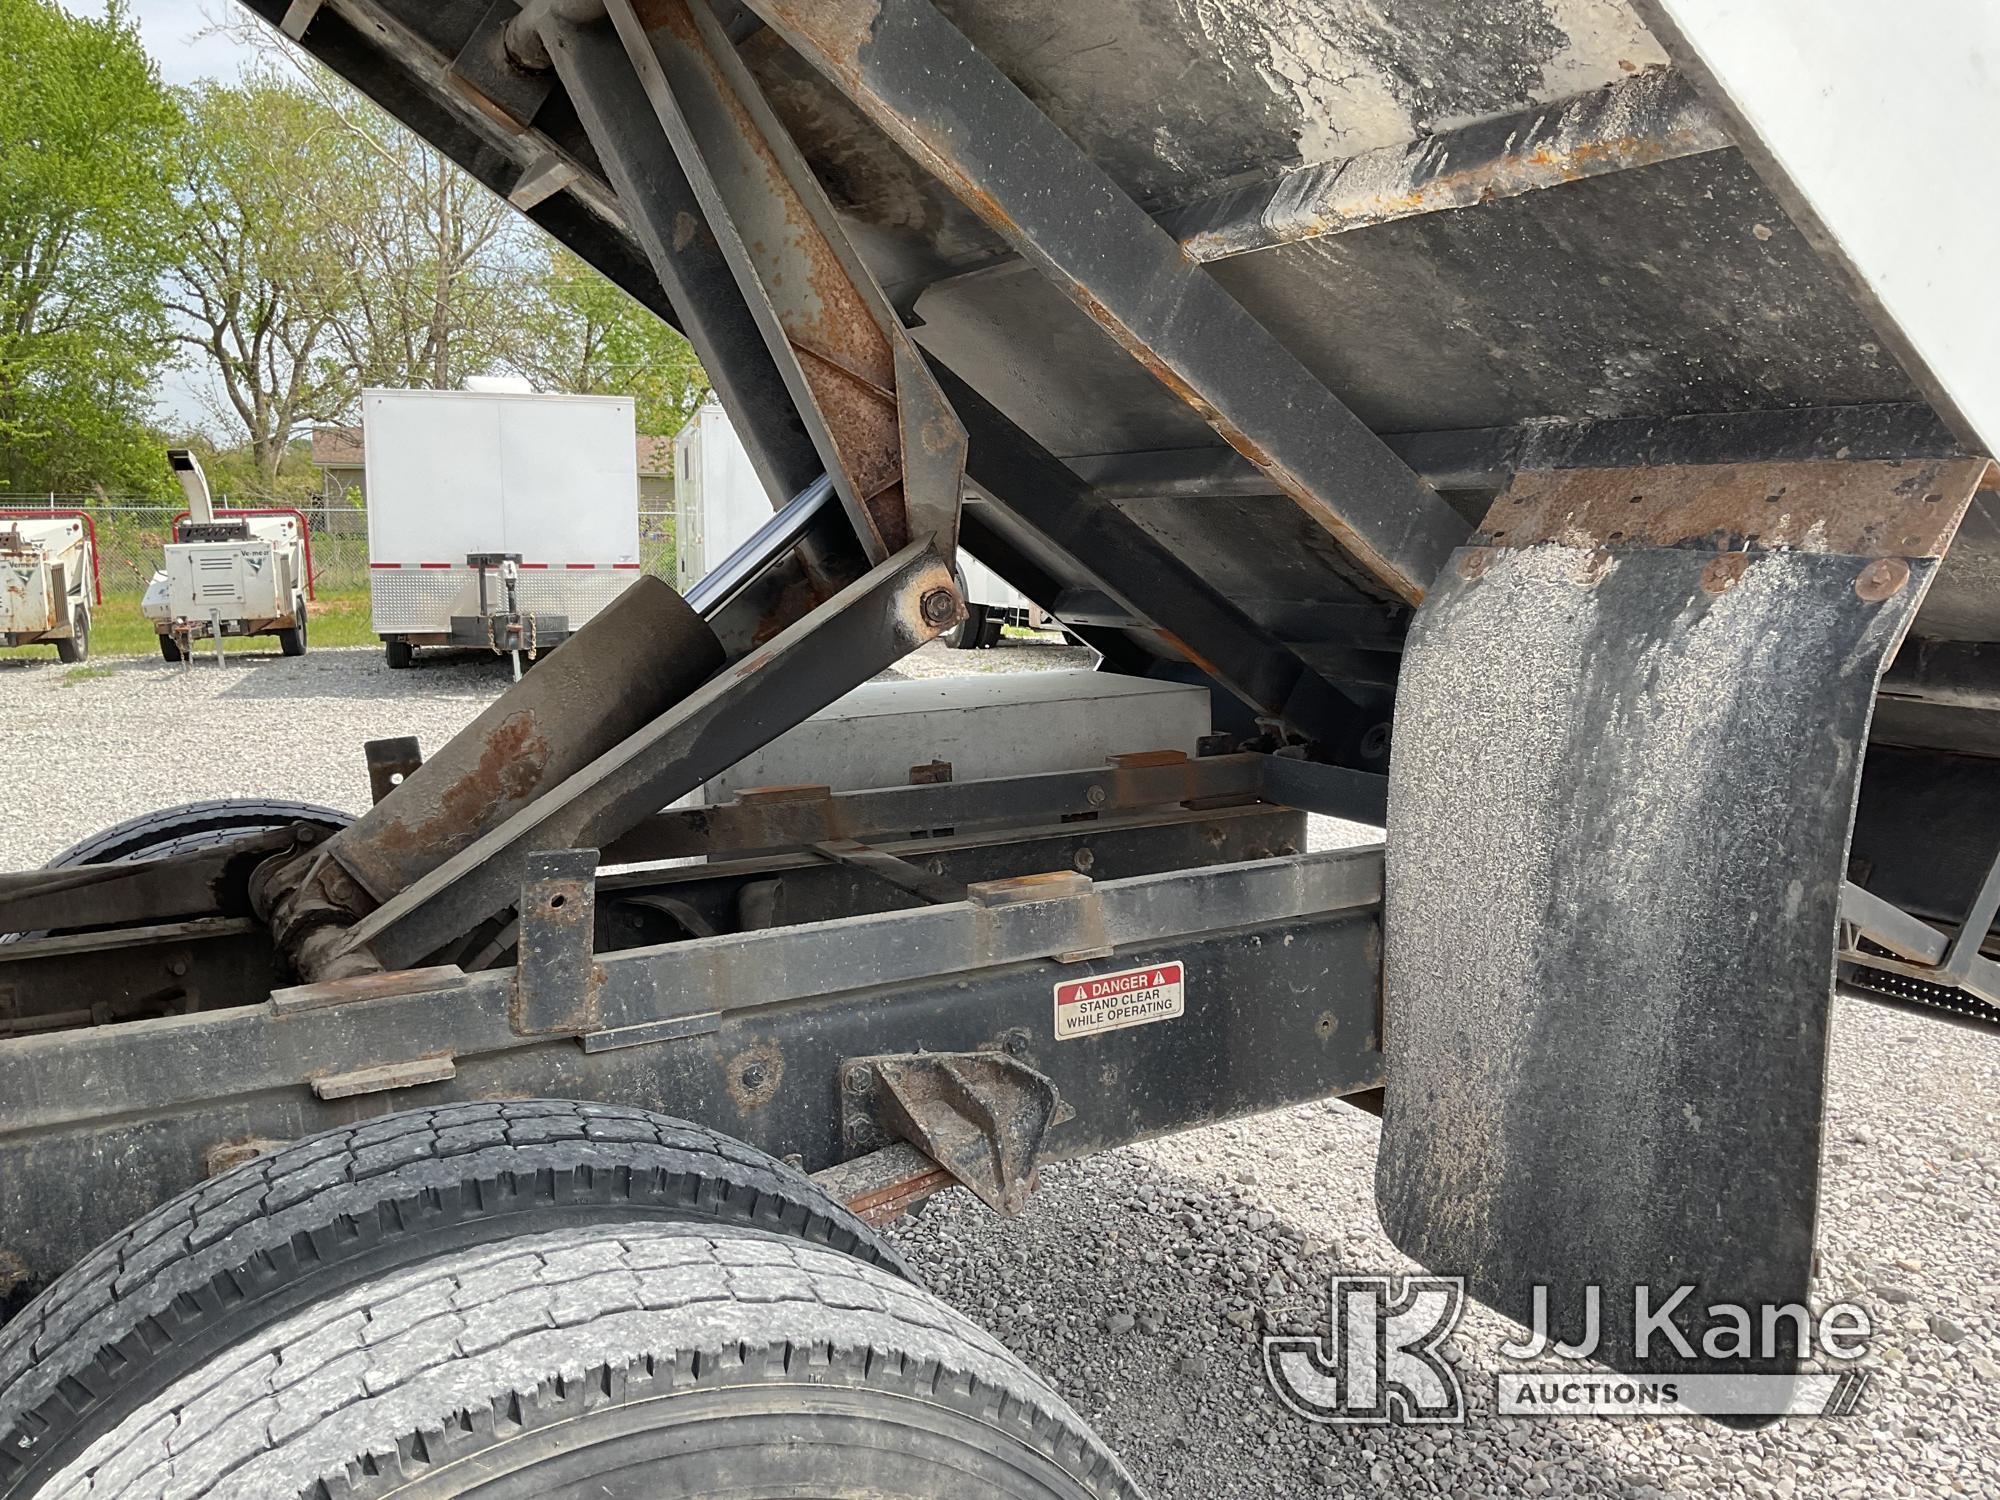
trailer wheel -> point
(193, 825)
(227, 1260)
(671, 1361)
(964, 636)
(293, 642)
(399, 653)
(77, 647)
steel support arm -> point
(669, 221)
(1191, 614)
(918, 78)
(883, 432)
(867, 627)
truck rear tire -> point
(293, 642)
(193, 825)
(669, 1360)
(399, 653)
(225, 1261)
(77, 647)
(170, 648)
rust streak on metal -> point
(509, 769)
(1723, 574)
(1133, 760)
(1887, 508)
(753, 1075)
(853, 364)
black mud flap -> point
(1627, 744)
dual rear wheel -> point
(524, 1298)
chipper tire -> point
(226, 1261)
(663, 1360)
(77, 647)
(293, 642)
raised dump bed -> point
(1555, 432)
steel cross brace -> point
(881, 427)
(868, 626)
(938, 97)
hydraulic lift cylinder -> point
(625, 667)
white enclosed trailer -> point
(719, 504)
(229, 572)
(466, 487)
(48, 580)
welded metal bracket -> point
(1628, 741)
(981, 1116)
(391, 762)
(557, 979)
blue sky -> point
(170, 28)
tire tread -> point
(178, 1274)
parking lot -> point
(1140, 1282)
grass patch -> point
(78, 674)
(335, 618)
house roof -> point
(337, 447)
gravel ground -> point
(1140, 1282)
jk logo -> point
(1381, 1361)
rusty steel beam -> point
(1653, 117)
(918, 78)
(882, 428)
(672, 227)
(1192, 616)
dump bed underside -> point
(1504, 234)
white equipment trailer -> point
(229, 572)
(48, 580)
(719, 504)
(496, 520)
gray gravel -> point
(1138, 1283)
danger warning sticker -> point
(1109, 1002)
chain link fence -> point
(132, 534)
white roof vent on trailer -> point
(500, 385)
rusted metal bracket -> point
(1628, 743)
(981, 1116)
(883, 429)
(882, 1186)
(556, 979)
(391, 762)
(1065, 902)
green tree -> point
(85, 125)
(582, 334)
(265, 274)
(433, 258)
